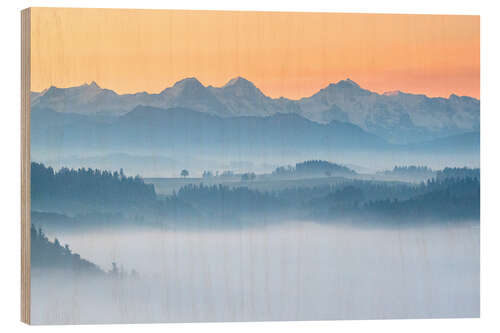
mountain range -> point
(181, 130)
(154, 140)
(396, 117)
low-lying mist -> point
(287, 271)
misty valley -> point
(204, 203)
(316, 240)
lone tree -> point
(184, 173)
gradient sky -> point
(284, 54)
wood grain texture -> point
(287, 234)
(25, 164)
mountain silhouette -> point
(183, 130)
(397, 117)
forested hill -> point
(54, 256)
(313, 168)
(47, 254)
(101, 197)
(458, 173)
(88, 186)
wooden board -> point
(290, 166)
(25, 164)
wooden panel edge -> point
(25, 165)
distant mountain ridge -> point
(395, 116)
(182, 134)
(184, 130)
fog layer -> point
(289, 271)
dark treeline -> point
(227, 201)
(459, 173)
(411, 171)
(451, 198)
(53, 255)
(313, 168)
(47, 254)
(371, 190)
(88, 186)
(446, 199)
(121, 199)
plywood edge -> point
(25, 165)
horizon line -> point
(385, 93)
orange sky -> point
(284, 54)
